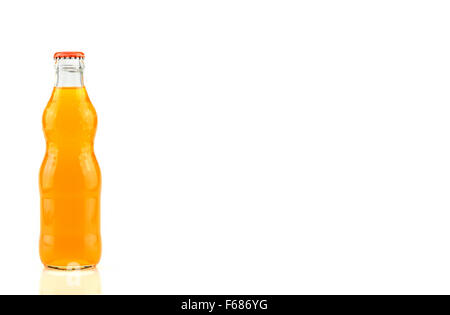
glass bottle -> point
(70, 179)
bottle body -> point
(70, 182)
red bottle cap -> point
(69, 54)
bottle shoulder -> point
(70, 114)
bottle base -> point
(70, 268)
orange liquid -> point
(70, 182)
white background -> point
(247, 147)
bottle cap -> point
(69, 54)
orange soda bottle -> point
(70, 179)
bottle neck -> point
(69, 72)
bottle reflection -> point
(77, 282)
